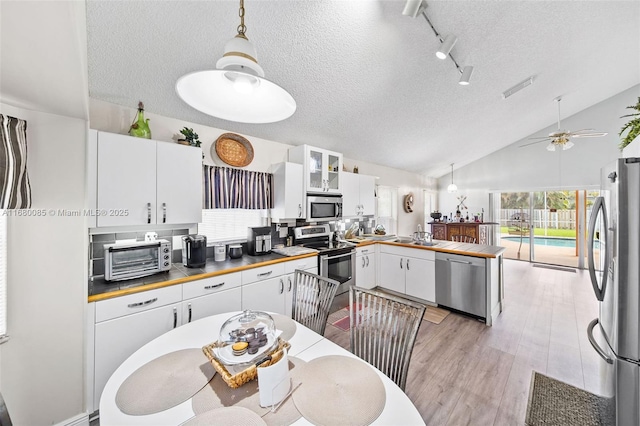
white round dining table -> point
(305, 345)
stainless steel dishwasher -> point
(461, 283)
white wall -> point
(117, 119)
(43, 362)
(534, 168)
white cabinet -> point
(358, 195)
(365, 267)
(123, 325)
(265, 295)
(408, 271)
(288, 192)
(210, 296)
(322, 168)
(308, 264)
(142, 181)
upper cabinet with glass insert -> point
(322, 168)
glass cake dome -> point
(246, 337)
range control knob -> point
(166, 257)
(166, 263)
(166, 250)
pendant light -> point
(237, 90)
(452, 187)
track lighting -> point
(466, 75)
(446, 46)
(414, 8)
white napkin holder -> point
(274, 382)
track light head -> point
(414, 7)
(446, 46)
(466, 75)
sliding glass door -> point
(545, 226)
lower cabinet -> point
(204, 306)
(266, 295)
(408, 271)
(365, 267)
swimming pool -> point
(545, 241)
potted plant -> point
(633, 126)
(190, 137)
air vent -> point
(517, 87)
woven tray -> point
(234, 149)
(239, 379)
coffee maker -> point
(194, 251)
(259, 240)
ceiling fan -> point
(562, 138)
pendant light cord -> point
(242, 28)
(451, 173)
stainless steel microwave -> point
(123, 261)
(324, 207)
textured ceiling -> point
(365, 77)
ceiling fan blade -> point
(531, 143)
(542, 137)
(583, 130)
(589, 135)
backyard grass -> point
(566, 233)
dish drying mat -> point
(293, 250)
(338, 389)
(164, 382)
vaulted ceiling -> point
(365, 77)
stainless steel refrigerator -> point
(614, 266)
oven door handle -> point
(337, 256)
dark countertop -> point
(99, 288)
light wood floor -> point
(465, 373)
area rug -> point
(552, 402)
(340, 319)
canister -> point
(219, 253)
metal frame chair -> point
(383, 330)
(312, 298)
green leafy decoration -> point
(190, 136)
(633, 126)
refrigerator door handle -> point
(598, 205)
(593, 342)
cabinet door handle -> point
(164, 212)
(363, 261)
(368, 262)
(189, 312)
(148, 212)
(175, 317)
(211, 287)
(299, 210)
(281, 286)
(400, 263)
(290, 284)
(265, 274)
(407, 264)
(145, 303)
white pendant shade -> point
(212, 93)
(567, 145)
(452, 188)
(551, 147)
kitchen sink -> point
(404, 240)
(425, 243)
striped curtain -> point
(14, 180)
(228, 188)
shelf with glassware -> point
(480, 231)
(322, 168)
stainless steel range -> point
(336, 260)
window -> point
(429, 206)
(3, 276)
(228, 224)
(387, 208)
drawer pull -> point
(368, 262)
(175, 317)
(190, 312)
(211, 287)
(145, 303)
(265, 274)
(290, 285)
(407, 264)
(281, 286)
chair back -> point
(312, 298)
(383, 330)
(463, 239)
(5, 420)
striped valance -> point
(14, 180)
(228, 188)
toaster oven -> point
(123, 261)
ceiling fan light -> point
(567, 145)
(446, 46)
(466, 75)
(551, 147)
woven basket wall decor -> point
(234, 149)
